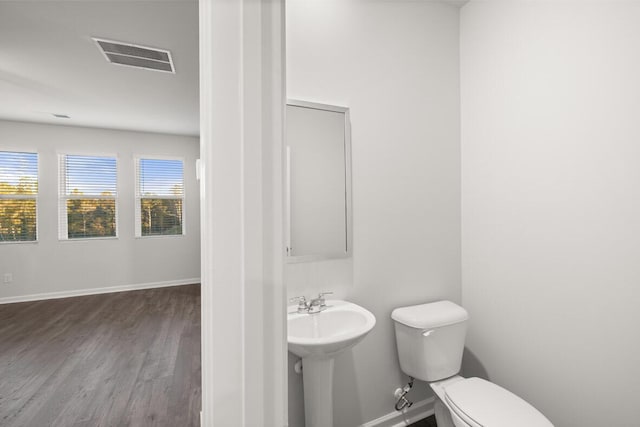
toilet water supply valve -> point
(401, 394)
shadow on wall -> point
(472, 367)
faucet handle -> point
(302, 303)
(321, 298)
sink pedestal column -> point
(317, 377)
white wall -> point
(551, 202)
(395, 65)
(51, 265)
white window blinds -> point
(159, 197)
(88, 197)
(18, 196)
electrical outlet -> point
(7, 278)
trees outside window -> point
(88, 197)
(18, 196)
(159, 197)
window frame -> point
(35, 197)
(63, 214)
(138, 197)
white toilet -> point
(430, 339)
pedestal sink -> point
(317, 338)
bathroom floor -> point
(427, 422)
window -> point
(88, 197)
(18, 196)
(159, 197)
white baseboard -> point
(95, 291)
(417, 412)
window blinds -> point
(159, 197)
(88, 196)
(18, 196)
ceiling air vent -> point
(133, 55)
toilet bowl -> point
(430, 340)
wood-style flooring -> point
(121, 359)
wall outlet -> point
(7, 278)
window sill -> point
(84, 239)
(160, 236)
(18, 242)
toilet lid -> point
(484, 404)
(430, 315)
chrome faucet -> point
(316, 305)
(302, 303)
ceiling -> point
(50, 65)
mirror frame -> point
(290, 259)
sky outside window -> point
(90, 175)
(15, 166)
(161, 177)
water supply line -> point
(401, 394)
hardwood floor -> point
(121, 359)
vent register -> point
(132, 55)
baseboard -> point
(417, 412)
(95, 291)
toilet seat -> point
(481, 403)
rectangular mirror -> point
(318, 182)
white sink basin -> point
(317, 338)
(340, 326)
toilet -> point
(430, 339)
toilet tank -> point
(430, 339)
